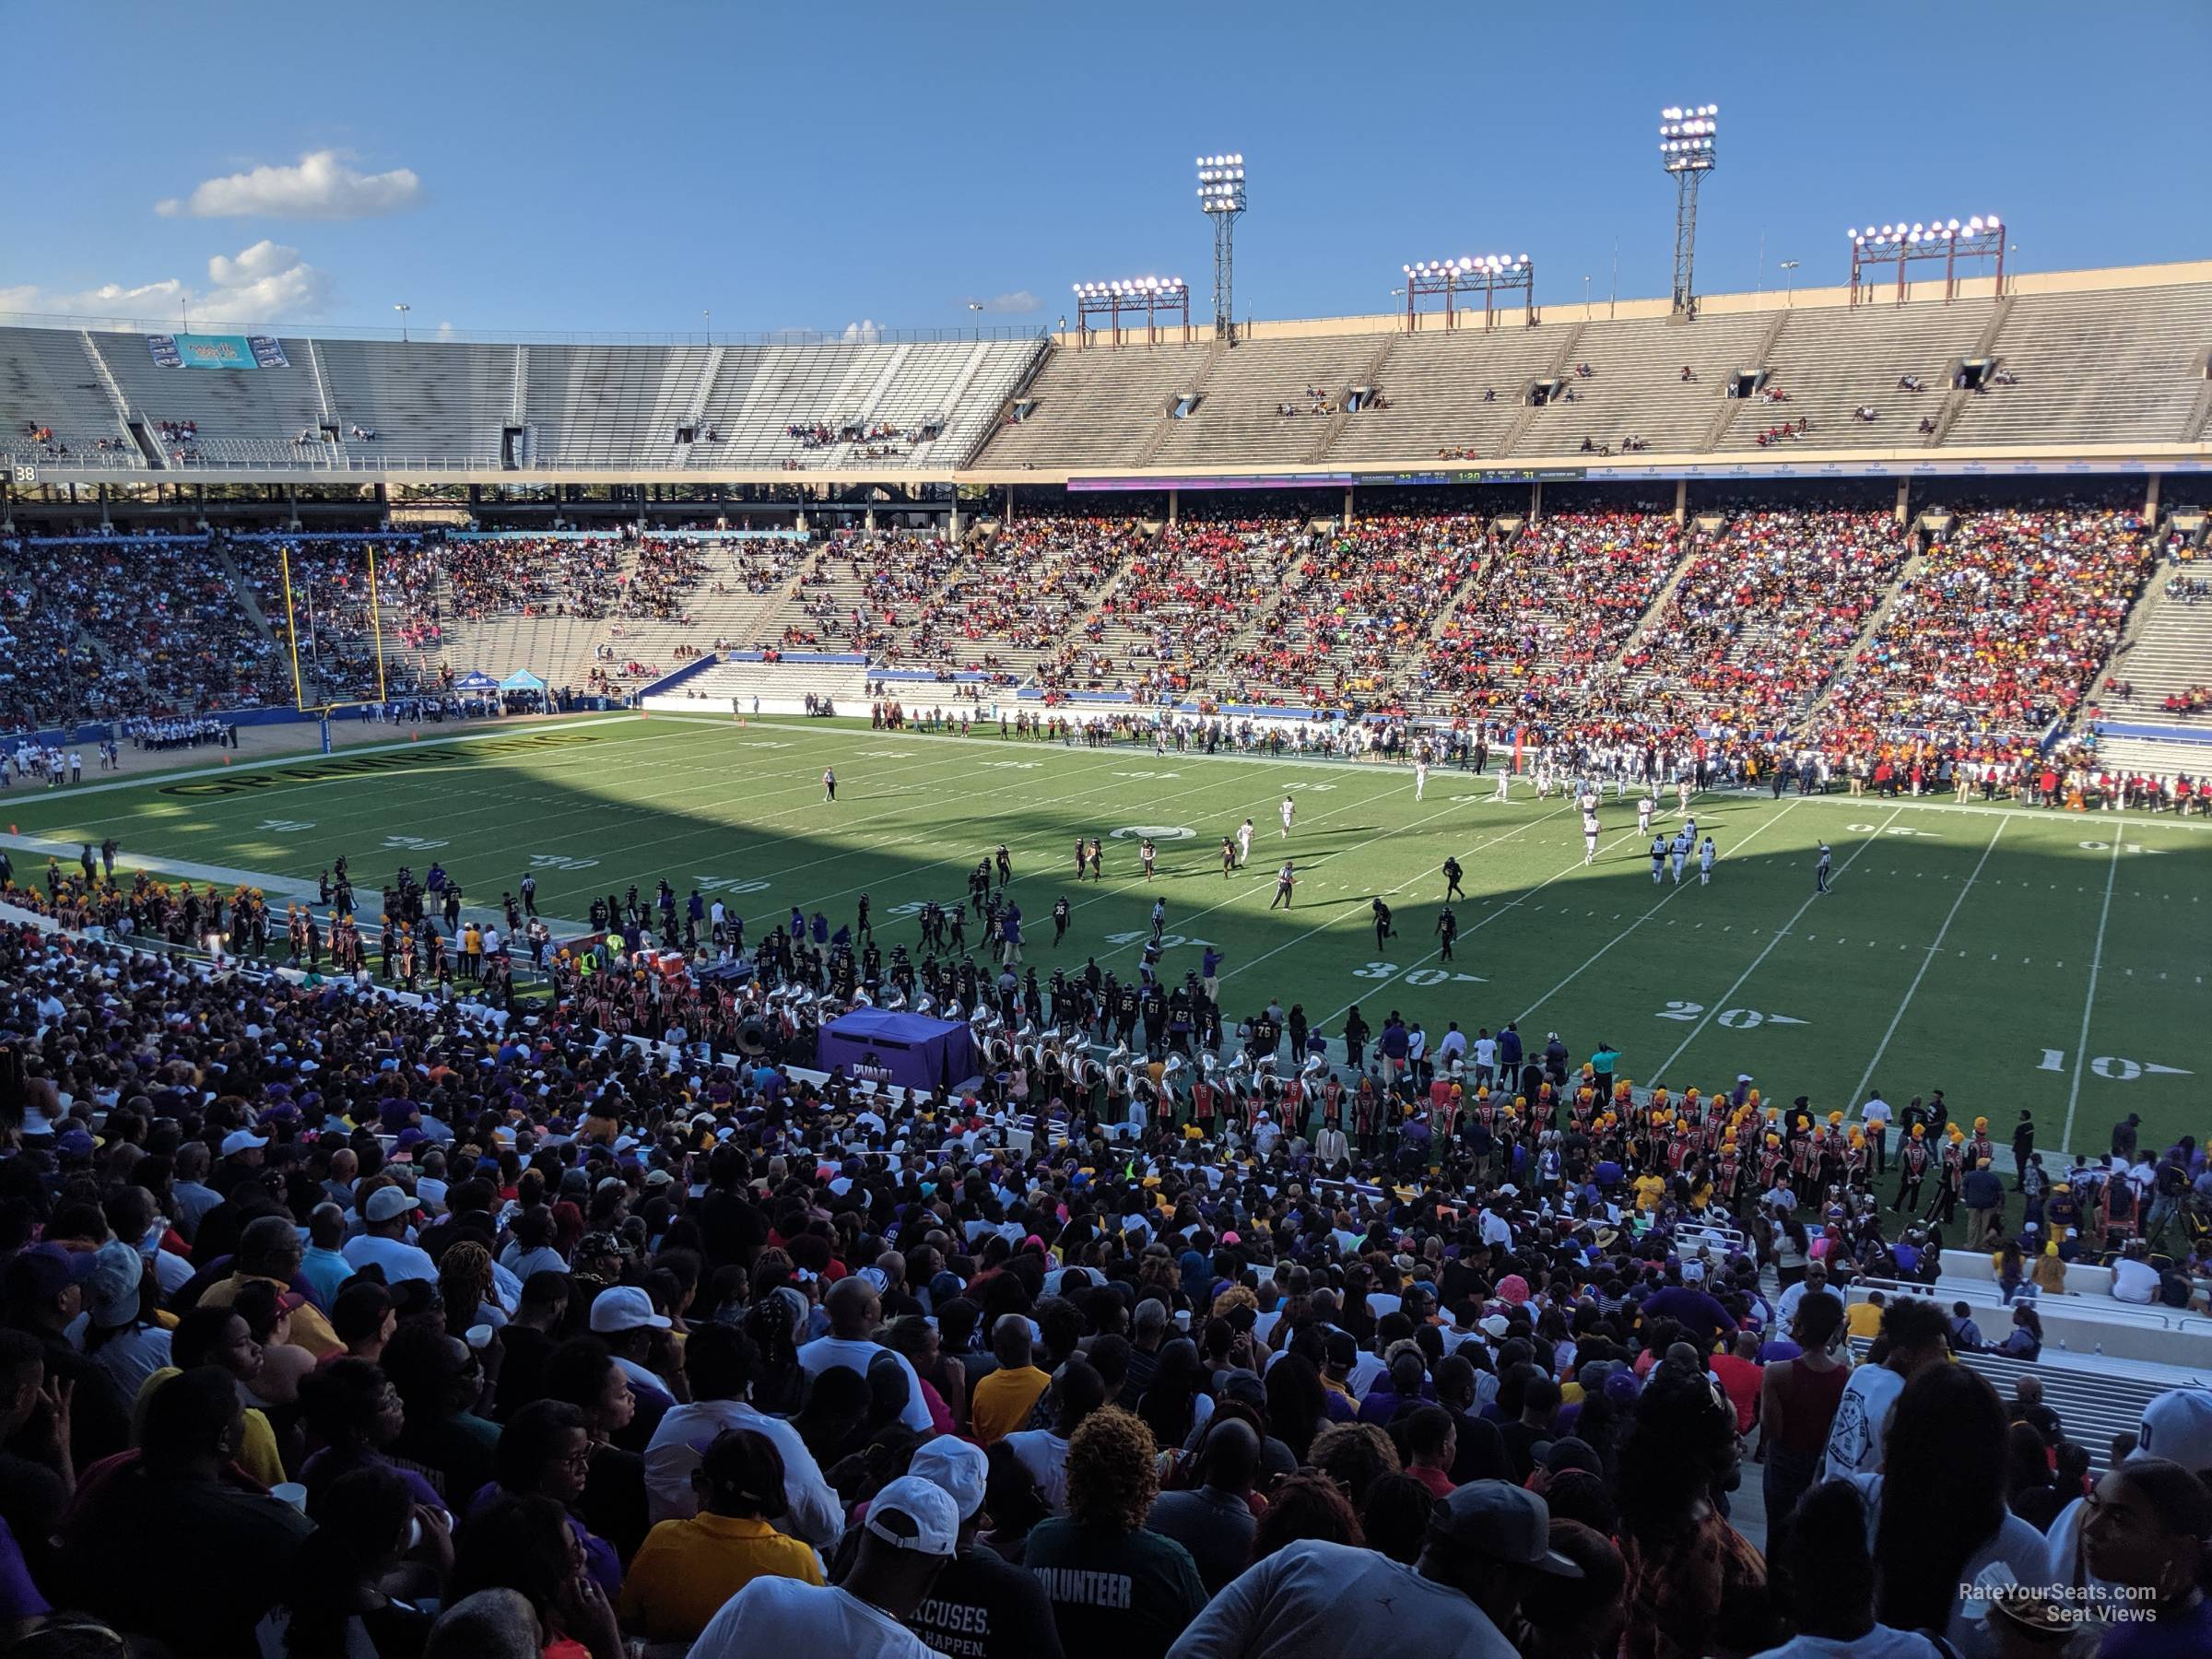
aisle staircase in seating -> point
(1692, 546)
(1561, 361)
(1371, 375)
(1907, 575)
(140, 434)
(1164, 429)
(1954, 400)
(1761, 357)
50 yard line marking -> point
(1897, 1018)
(1781, 933)
(2081, 1045)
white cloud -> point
(863, 333)
(1014, 304)
(321, 185)
(266, 283)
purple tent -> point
(874, 1045)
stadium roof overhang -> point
(2014, 461)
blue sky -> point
(553, 166)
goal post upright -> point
(291, 628)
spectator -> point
(1118, 1590)
(688, 1568)
(1214, 1520)
(1914, 1334)
(1334, 1601)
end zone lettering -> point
(353, 765)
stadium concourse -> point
(922, 1112)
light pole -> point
(977, 305)
(1585, 296)
(1221, 199)
(1687, 138)
(706, 315)
(1789, 297)
(403, 311)
(1981, 237)
(1493, 274)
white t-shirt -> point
(1881, 1643)
(2015, 1554)
(1486, 1051)
(815, 1516)
(1854, 1439)
(827, 1353)
(399, 1259)
(2134, 1282)
(1044, 1455)
(1875, 1112)
(785, 1616)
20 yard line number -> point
(1736, 1019)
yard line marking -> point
(1781, 932)
(1897, 1018)
(2081, 1045)
(1402, 886)
(1673, 893)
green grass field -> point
(2011, 958)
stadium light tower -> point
(1687, 134)
(1151, 295)
(1981, 237)
(1221, 199)
(1493, 274)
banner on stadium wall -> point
(216, 351)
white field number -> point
(1899, 829)
(1148, 777)
(560, 860)
(729, 884)
(412, 844)
(1421, 977)
(1736, 1019)
(2113, 1068)
(1167, 941)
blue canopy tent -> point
(522, 679)
(875, 1045)
(475, 679)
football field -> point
(2012, 958)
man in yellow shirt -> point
(686, 1569)
(269, 1249)
(1002, 1400)
(1865, 1318)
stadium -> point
(1454, 944)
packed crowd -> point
(1552, 604)
(2001, 633)
(863, 592)
(1027, 591)
(1766, 613)
(1358, 605)
(1187, 593)
(333, 1326)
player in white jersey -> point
(1644, 803)
(1244, 842)
(1589, 836)
(1690, 828)
(1682, 793)
(1288, 809)
(1505, 775)
(1587, 799)
(1658, 857)
(1705, 857)
(1682, 845)
(1421, 778)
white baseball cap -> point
(242, 1140)
(624, 1308)
(387, 1202)
(2178, 1425)
(927, 1506)
(956, 1466)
